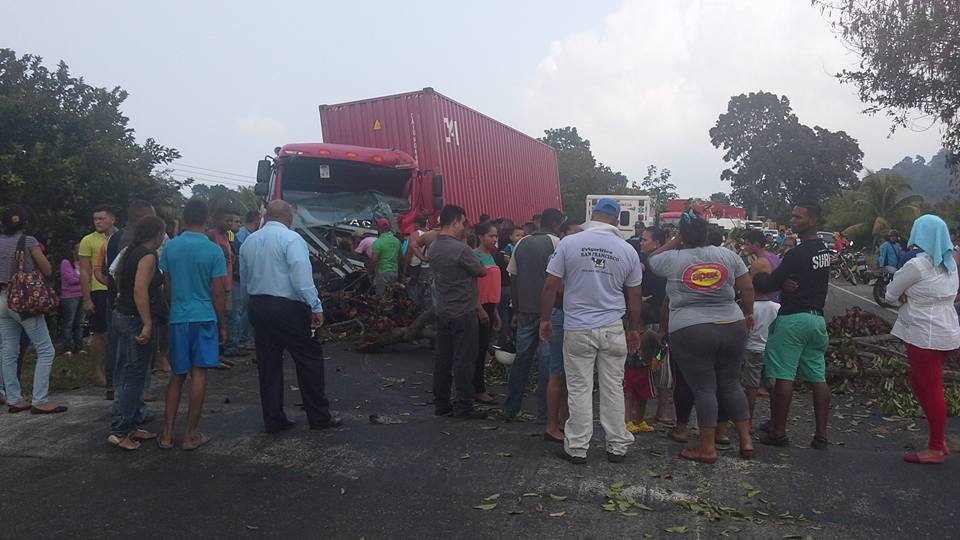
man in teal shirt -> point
(385, 256)
(193, 271)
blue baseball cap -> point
(608, 206)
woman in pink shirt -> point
(489, 287)
(71, 304)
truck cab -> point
(345, 186)
(339, 191)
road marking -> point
(864, 298)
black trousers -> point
(483, 343)
(280, 324)
(455, 361)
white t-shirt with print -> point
(764, 312)
(595, 266)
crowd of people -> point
(668, 317)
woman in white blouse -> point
(927, 321)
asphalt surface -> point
(842, 296)
(422, 478)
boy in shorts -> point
(751, 372)
(193, 271)
(638, 386)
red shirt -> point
(489, 284)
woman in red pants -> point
(926, 287)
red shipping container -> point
(487, 167)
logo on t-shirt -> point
(706, 276)
(599, 263)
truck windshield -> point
(337, 192)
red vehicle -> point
(463, 157)
(343, 186)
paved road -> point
(843, 295)
(422, 478)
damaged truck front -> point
(339, 191)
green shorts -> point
(796, 347)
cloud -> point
(261, 126)
(648, 85)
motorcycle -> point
(880, 289)
(860, 267)
(840, 266)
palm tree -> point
(878, 205)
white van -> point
(633, 208)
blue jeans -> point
(11, 326)
(110, 349)
(71, 324)
(132, 373)
(239, 329)
(529, 347)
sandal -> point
(748, 453)
(819, 443)
(200, 442)
(699, 459)
(163, 446)
(120, 441)
(676, 438)
(782, 441)
(924, 460)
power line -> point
(181, 164)
(208, 175)
(211, 180)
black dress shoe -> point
(443, 410)
(616, 458)
(334, 422)
(576, 460)
(281, 427)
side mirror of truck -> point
(437, 186)
(263, 171)
(261, 190)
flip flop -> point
(819, 443)
(673, 437)
(924, 460)
(116, 441)
(162, 446)
(142, 435)
(13, 409)
(748, 453)
(698, 459)
(188, 447)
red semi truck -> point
(413, 153)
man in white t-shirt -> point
(600, 275)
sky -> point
(643, 80)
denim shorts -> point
(193, 345)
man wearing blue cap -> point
(594, 269)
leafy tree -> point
(881, 203)
(580, 172)
(65, 147)
(657, 184)
(720, 197)
(238, 200)
(777, 160)
(909, 59)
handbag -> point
(27, 292)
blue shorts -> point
(193, 345)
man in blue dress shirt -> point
(284, 305)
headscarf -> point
(931, 234)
